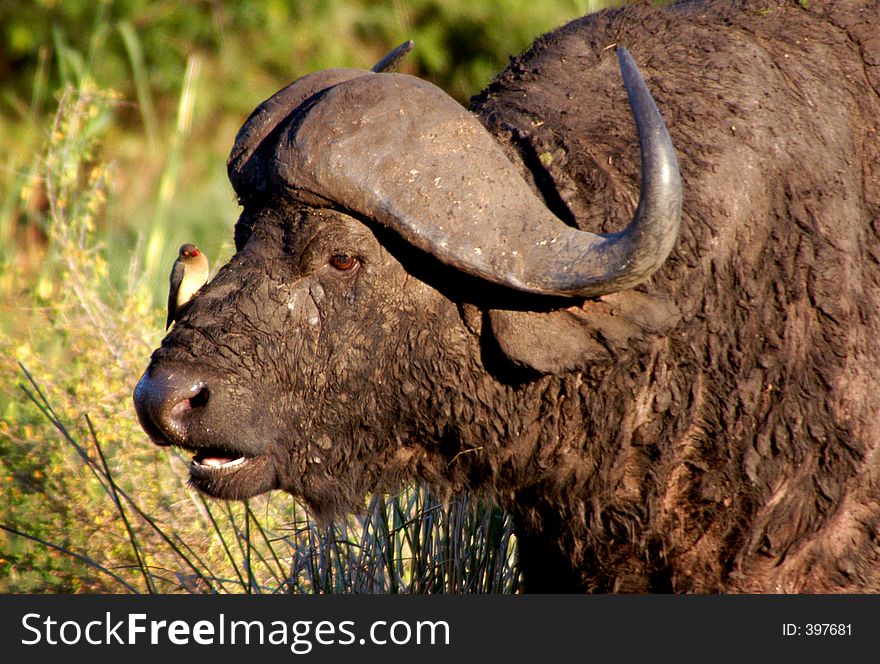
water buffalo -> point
(671, 382)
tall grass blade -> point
(46, 409)
(73, 554)
(135, 53)
(161, 533)
(158, 236)
(279, 577)
(105, 480)
(222, 539)
(151, 588)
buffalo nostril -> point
(181, 410)
(200, 398)
(165, 400)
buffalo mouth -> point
(207, 463)
(226, 473)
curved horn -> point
(392, 61)
(397, 149)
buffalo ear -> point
(607, 328)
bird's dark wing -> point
(177, 273)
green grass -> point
(115, 122)
(402, 543)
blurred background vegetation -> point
(116, 117)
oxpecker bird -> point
(190, 272)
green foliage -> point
(115, 121)
(461, 42)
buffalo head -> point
(340, 348)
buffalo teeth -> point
(219, 463)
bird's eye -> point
(343, 262)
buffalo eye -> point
(343, 262)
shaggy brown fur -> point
(715, 429)
(740, 452)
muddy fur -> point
(740, 452)
(717, 429)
